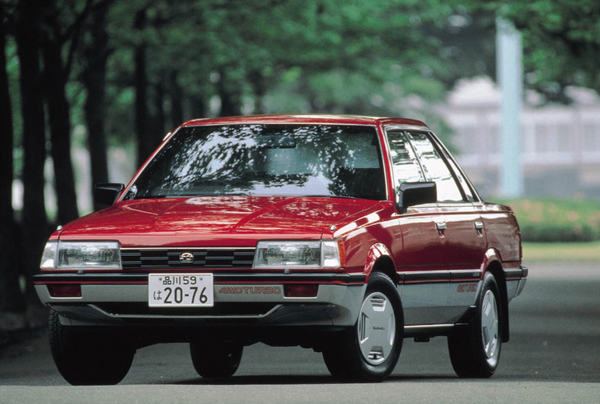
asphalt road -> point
(553, 357)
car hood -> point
(213, 221)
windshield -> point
(266, 160)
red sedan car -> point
(344, 234)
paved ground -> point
(553, 357)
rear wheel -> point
(88, 358)
(216, 360)
(475, 350)
(370, 350)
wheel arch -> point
(379, 259)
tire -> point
(88, 358)
(475, 350)
(216, 360)
(369, 351)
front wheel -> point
(475, 350)
(88, 358)
(369, 351)
(216, 360)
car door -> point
(422, 248)
(420, 263)
(466, 236)
(458, 223)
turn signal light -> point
(300, 290)
(65, 290)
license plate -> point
(180, 290)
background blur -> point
(88, 88)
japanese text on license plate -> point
(180, 290)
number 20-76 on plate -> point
(180, 290)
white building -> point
(560, 144)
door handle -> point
(441, 226)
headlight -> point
(298, 254)
(81, 255)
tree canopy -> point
(561, 40)
(102, 72)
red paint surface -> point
(410, 239)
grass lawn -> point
(565, 252)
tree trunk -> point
(58, 117)
(259, 84)
(94, 78)
(231, 99)
(141, 93)
(176, 94)
(159, 118)
(34, 221)
(10, 296)
(197, 107)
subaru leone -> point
(343, 234)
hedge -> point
(557, 220)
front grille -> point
(162, 258)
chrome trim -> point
(406, 127)
(307, 122)
(141, 277)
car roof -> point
(304, 119)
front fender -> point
(376, 252)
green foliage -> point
(557, 220)
(561, 41)
(334, 56)
(385, 57)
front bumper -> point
(121, 299)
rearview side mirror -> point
(415, 193)
(106, 193)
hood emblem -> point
(186, 258)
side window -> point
(406, 165)
(467, 190)
(461, 179)
(435, 168)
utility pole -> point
(509, 54)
